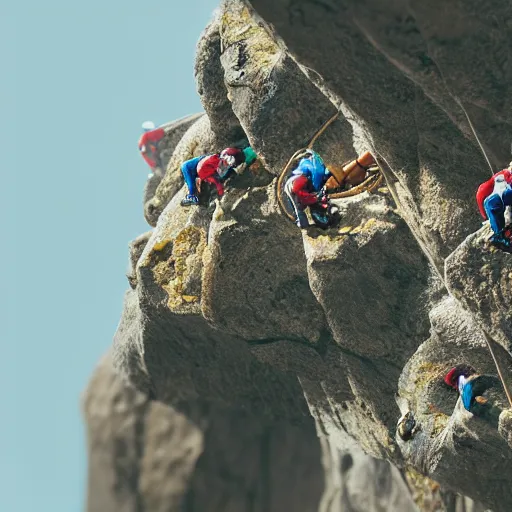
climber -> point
(148, 143)
(305, 189)
(235, 157)
(469, 384)
(213, 169)
(493, 197)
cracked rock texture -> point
(258, 367)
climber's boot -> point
(501, 240)
(190, 200)
(302, 219)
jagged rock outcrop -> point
(481, 279)
(260, 367)
(445, 426)
(434, 167)
(276, 103)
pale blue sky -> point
(77, 80)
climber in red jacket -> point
(492, 197)
(213, 169)
(148, 143)
(304, 189)
(207, 168)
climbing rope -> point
(474, 133)
(490, 341)
(369, 184)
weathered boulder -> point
(445, 427)
(370, 277)
(255, 273)
(481, 280)
(136, 248)
(145, 455)
(212, 91)
(431, 166)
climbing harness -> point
(369, 184)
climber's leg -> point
(189, 170)
(495, 209)
(300, 215)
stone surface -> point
(271, 364)
(481, 279)
(145, 455)
(279, 108)
(258, 286)
(445, 426)
(212, 91)
(432, 166)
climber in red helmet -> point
(470, 385)
(493, 196)
(148, 143)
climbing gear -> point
(190, 200)
(148, 126)
(474, 133)
(499, 239)
(369, 184)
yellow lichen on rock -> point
(428, 372)
(176, 266)
(159, 246)
(440, 422)
(186, 254)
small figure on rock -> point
(213, 169)
(407, 426)
(469, 384)
(148, 143)
(493, 197)
(305, 189)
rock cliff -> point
(258, 367)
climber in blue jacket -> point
(304, 186)
(469, 384)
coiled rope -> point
(369, 184)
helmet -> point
(233, 156)
(500, 185)
(451, 377)
(148, 126)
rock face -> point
(258, 367)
